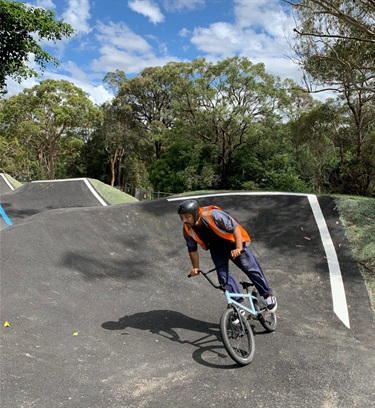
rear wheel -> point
(238, 337)
(267, 319)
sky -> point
(130, 35)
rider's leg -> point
(221, 263)
(248, 263)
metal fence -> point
(141, 194)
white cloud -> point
(219, 39)
(75, 72)
(14, 88)
(267, 16)
(121, 48)
(148, 9)
(259, 33)
(180, 5)
(184, 32)
(45, 4)
(119, 35)
(97, 94)
(78, 15)
(256, 30)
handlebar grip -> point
(199, 272)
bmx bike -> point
(235, 329)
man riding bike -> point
(215, 230)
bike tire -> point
(267, 319)
(238, 338)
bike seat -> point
(246, 285)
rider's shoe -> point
(271, 303)
(237, 320)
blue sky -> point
(130, 35)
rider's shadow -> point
(165, 323)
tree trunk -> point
(113, 168)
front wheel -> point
(267, 319)
(238, 337)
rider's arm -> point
(194, 257)
(238, 241)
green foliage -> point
(184, 166)
(93, 161)
(48, 122)
(335, 42)
(22, 28)
(218, 103)
(267, 170)
(193, 126)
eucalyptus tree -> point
(335, 42)
(22, 29)
(220, 103)
(295, 101)
(147, 99)
(118, 139)
(314, 135)
(335, 46)
(335, 148)
(357, 141)
(47, 116)
(114, 80)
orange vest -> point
(205, 214)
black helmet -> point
(189, 207)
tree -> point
(114, 80)
(22, 28)
(147, 98)
(218, 104)
(335, 43)
(118, 140)
(354, 14)
(48, 115)
(313, 135)
(182, 167)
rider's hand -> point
(194, 272)
(235, 252)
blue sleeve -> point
(190, 242)
(223, 220)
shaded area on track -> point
(147, 336)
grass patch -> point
(358, 217)
(13, 181)
(111, 194)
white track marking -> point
(7, 181)
(88, 184)
(340, 306)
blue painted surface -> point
(6, 218)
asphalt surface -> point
(39, 196)
(101, 313)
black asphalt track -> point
(101, 313)
(36, 197)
